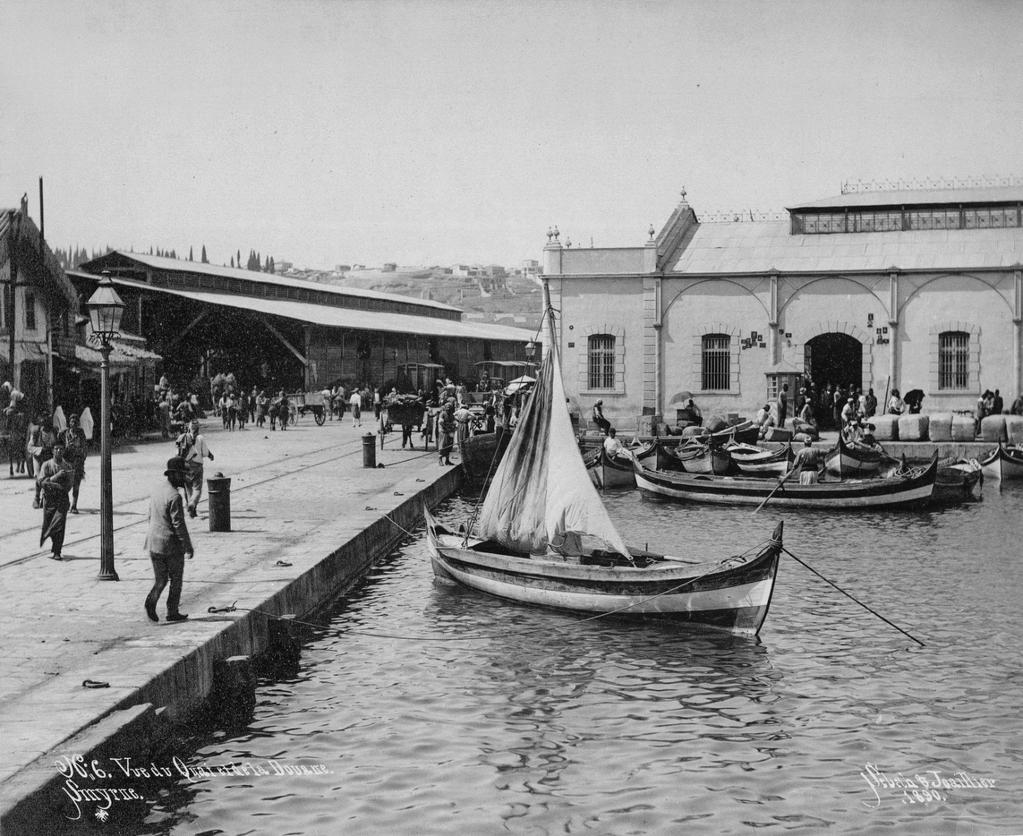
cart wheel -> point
(320, 417)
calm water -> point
(438, 710)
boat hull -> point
(733, 595)
(893, 492)
(1003, 464)
(610, 472)
(763, 462)
(850, 462)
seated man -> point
(690, 415)
(598, 417)
(613, 447)
(764, 419)
(807, 464)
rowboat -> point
(543, 537)
(854, 461)
(615, 471)
(481, 453)
(701, 458)
(755, 461)
(899, 490)
(1003, 463)
(958, 480)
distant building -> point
(37, 310)
(530, 268)
(884, 290)
(283, 266)
(342, 268)
(287, 332)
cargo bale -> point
(940, 426)
(992, 428)
(913, 427)
(886, 427)
(778, 434)
(715, 423)
(962, 428)
(1014, 428)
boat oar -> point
(852, 597)
(777, 488)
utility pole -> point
(13, 234)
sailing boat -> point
(543, 536)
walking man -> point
(168, 542)
(76, 448)
(54, 480)
(193, 449)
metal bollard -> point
(369, 450)
(218, 489)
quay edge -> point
(136, 724)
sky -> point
(433, 132)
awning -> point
(118, 359)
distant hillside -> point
(508, 300)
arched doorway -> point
(834, 358)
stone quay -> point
(86, 673)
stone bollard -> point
(218, 488)
(233, 696)
(369, 451)
(284, 647)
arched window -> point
(601, 361)
(716, 354)
(953, 360)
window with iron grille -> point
(953, 360)
(716, 361)
(601, 361)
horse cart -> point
(306, 403)
(408, 412)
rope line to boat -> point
(851, 597)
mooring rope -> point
(852, 597)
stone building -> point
(892, 289)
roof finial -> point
(683, 193)
(651, 232)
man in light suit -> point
(168, 541)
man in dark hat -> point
(168, 541)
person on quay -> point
(463, 424)
(16, 427)
(783, 405)
(167, 541)
(192, 448)
(997, 403)
(895, 404)
(40, 447)
(690, 414)
(807, 464)
(262, 402)
(355, 402)
(283, 410)
(848, 412)
(54, 481)
(76, 449)
(446, 422)
(598, 417)
(1017, 406)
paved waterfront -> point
(296, 496)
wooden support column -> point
(773, 320)
(893, 330)
(1017, 332)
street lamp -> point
(105, 309)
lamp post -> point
(105, 309)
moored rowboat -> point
(853, 461)
(913, 488)
(1003, 463)
(753, 461)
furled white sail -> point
(541, 495)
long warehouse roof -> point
(332, 317)
(256, 277)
